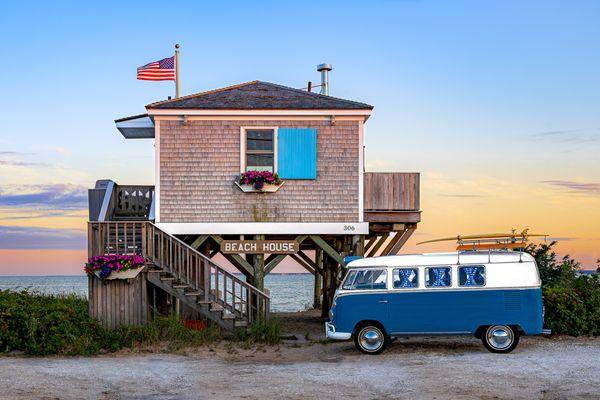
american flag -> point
(163, 70)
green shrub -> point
(572, 301)
(39, 324)
(261, 331)
(43, 324)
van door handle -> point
(383, 301)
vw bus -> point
(494, 296)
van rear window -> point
(471, 276)
(365, 279)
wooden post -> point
(318, 278)
(358, 245)
(326, 286)
(259, 267)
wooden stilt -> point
(358, 245)
(259, 267)
(318, 278)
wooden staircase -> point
(183, 272)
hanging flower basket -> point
(115, 266)
(259, 181)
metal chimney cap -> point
(324, 67)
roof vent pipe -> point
(324, 70)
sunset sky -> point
(497, 104)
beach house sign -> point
(259, 246)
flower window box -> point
(259, 182)
(115, 266)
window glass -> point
(406, 278)
(366, 279)
(259, 140)
(349, 280)
(438, 277)
(471, 275)
(259, 150)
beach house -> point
(257, 172)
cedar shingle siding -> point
(200, 160)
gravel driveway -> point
(429, 368)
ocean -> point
(289, 292)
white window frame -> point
(243, 130)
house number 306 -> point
(349, 227)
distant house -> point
(325, 207)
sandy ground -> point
(424, 368)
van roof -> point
(452, 258)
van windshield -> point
(365, 279)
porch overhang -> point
(136, 127)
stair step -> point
(167, 278)
(228, 316)
(217, 308)
(205, 302)
(240, 323)
(196, 293)
(180, 286)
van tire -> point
(500, 338)
(370, 338)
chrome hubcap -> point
(371, 339)
(500, 337)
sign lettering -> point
(260, 246)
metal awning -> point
(136, 127)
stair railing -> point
(212, 282)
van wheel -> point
(370, 339)
(500, 338)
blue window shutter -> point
(297, 153)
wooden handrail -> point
(182, 261)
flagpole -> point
(177, 87)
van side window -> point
(471, 275)
(438, 277)
(406, 278)
(366, 279)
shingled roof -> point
(258, 95)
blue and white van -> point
(494, 296)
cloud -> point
(14, 153)
(26, 237)
(15, 158)
(57, 196)
(570, 136)
(23, 163)
(462, 195)
(591, 189)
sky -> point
(495, 103)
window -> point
(365, 279)
(260, 155)
(471, 275)
(404, 278)
(438, 277)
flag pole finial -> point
(177, 87)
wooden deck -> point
(392, 197)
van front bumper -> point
(332, 334)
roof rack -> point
(491, 241)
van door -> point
(369, 299)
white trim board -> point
(157, 171)
(266, 228)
